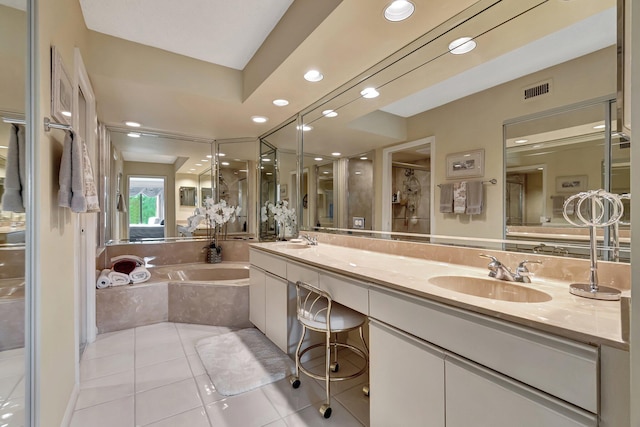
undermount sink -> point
(490, 288)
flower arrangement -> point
(281, 213)
(216, 215)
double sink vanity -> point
(451, 346)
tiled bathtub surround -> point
(179, 252)
(617, 275)
(220, 302)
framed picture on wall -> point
(571, 183)
(283, 191)
(467, 164)
(61, 90)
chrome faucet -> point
(311, 240)
(501, 272)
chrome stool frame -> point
(314, 309)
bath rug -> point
(242, 360)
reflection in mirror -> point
(153, 167)
(188, 196)
(268, 188)
(13, 54)
(460, 103)
(235, 185)
(553, 156)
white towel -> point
(14, 179)
(446, 198)
(475, 197)
(90, 189)
(103, 279)
(118, 279)
(460, 197)
(139, 275)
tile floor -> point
(12, 364)
(152, 376)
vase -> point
(214, 254)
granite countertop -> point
(581, 319)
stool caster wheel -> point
(335, 367)
(325, 410)
(294, 381)
(366, 391)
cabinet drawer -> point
(476, 396)
(273, 264)
(560, 367)
(297, 272)
(347, 292)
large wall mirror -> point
(146, 172)
(416, 114)
(13, 288)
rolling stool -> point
(317, 312)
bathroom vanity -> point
(512, 354)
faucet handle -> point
(522, 272)
(493, 266)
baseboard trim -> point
(68, 413)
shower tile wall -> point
(360, 198)
(418, 221)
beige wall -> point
(61, 24)
(13, 51)
(476, 122)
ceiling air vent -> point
(538, 90)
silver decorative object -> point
(600, 201)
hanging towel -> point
(460, 197)
(446, 198)
(570, 207)
(103, 279)
(139, 275)
(14, 179)
(70, 178)
(90, 190)
(558, 205)
(475, 197)
(118, 279)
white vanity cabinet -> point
(270, 297)
(406, 376)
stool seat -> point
(342, 318)
(313, 305)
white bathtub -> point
(201, 272)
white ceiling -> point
(221, 32)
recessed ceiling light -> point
(237, 160)
(369, 92)
(537, 146)
(329, 113)
(363, 158)
(192, 169)
(133, 124)
(326, 172)
(198, 164)
(317, 159)
(133, 134)
(306, 128)
(225, 163)
(210, 156)
(243, 170)
(219, 155)
(399, 10)
(259, 119)
(313, 76)
(269, 173)
(540, 169)
(280, 102)
(599, 127)
(66, 113)
(204, 160)
(336, 154)
(266, 159)
(358, 173)
(521, 141)
(462, 45)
